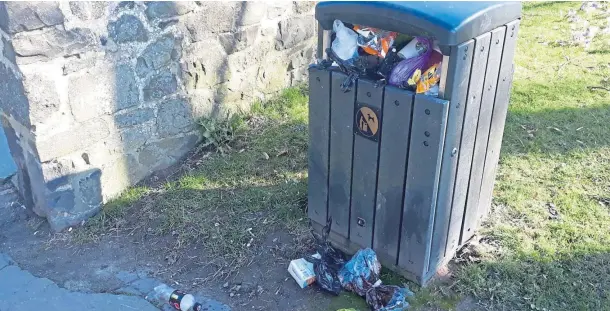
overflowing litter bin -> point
(404, 169)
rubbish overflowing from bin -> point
(412, 63)
(361, 275)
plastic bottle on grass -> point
(176, 298)
(345, 44)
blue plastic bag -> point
(388, 298)
(361, 275)
(361, 272)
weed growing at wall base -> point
(221, 132)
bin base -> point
(350, 248)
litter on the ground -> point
(330, 262)
(176, 298)
(385, 57)
(361, 272)
(361, 276)
(330, 271)
(302, 271)
(388, 297)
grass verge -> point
(547, 244)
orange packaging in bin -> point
(428, 79)
(423, 82)
(375, 41)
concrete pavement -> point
(21, 291)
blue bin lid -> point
(451, 23)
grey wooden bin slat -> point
(471, 117)
(487, 104)
(458, 75)
(364, 175)
(423, 171)
(342, 141)
(319, 116)
(392, 171)
(498, 117)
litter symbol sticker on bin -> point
(367, 123)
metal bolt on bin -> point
(415, 177)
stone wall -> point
(97, 95)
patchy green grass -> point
(112, 215)
(556, 152)
(230, 201)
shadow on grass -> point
(580, 282)
(554, 160)
(225, 203)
